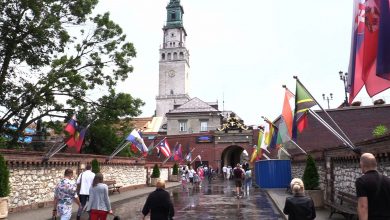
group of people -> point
(242, 173)
(195, 177)
(91, 190)
(372, 190)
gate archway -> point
(232, 155)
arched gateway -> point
(233, 155)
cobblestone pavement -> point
(212, 201)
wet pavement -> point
(212, 201)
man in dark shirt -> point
(372, 190)
(159, 203)
(238, 176)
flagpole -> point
(342, 132)
(323, 122)
(117, 150)
(326, 125)
(285, 151)
(166, 159)
(150, 150)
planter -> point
(173, 178)
(3, 207)
(153, 181)
(317, 196)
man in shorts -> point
(238, 176)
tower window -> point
(171, 91)
(163, 56)
(173, 43)
(173, 16)
(175, 56)
(181, 55)
(172, 35)
(169, 56)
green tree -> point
(95, 166)
(4, 178)
(156, 172)
(55, 50)
(310, 175)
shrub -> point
(380, 130)
(310, 175)
(4, 178)
(175, 169)
(95, 166)
(156, 172)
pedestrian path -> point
(279, 196)
(45, 213)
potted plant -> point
(155, 175)
(175, 172)
(311, 180)
(95, 166)
(4, 188)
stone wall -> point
(33, 181)
(297, 169)
(34, 184)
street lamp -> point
(328, 98)
(344, 78)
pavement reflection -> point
(212, 201)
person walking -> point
(248, 181)
(372, 190)
(99, 203)
(299, 206)
(238, 176)
(191, 175)
(84, 181)
(159, 204)
(228, 172)
(224, 170)
(64, 195)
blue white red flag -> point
(135, 139)
(370, 48)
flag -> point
(271, 135)
(135, 139)
(189, 156)
(71, 127)
(303, 101)
(178, 153)
(164, 148)
(254, 154)
(287, 113)
(77, 139)
(259, 152)
(370, 48)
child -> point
(184, 181)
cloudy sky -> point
(242, 52)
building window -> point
(181, 55)
(169, 56)
(173, 16)
(182, 125)
(163, 56)
(174, 55)
(203, 126)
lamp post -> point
(328, 98)
(344, 77)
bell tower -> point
(174, 62)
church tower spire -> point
(174, 62)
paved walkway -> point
(45, 213)
(278, 196)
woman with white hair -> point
(299, 206)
